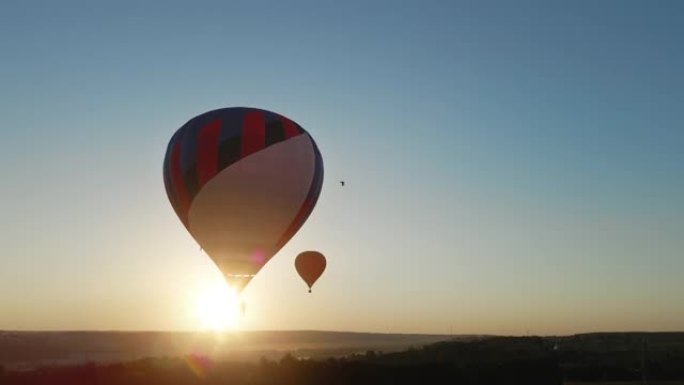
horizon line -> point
(133, 331)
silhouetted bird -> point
(342, 183)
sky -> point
(510, 167)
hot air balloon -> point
(310, 265)
(242, 181)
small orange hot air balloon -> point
(310, 266)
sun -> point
(218, 308)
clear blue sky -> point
(510, 166)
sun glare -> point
(218, 308)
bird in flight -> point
(342, 183)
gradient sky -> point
(511, 167)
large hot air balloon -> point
(242, 181)
(310, 265)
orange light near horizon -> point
(218, 307)
(198, 364)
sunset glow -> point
(217, 308)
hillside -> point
(32, 349)
(309, 357)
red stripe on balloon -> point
(182, 203)
(207, 151)
(289, 128)
(253, 133)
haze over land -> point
(338, 358)
(33, 349)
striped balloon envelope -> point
(242, 181)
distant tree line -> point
(287, 371)
(488, 361)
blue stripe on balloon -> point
(232, 123)
(189, 145)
